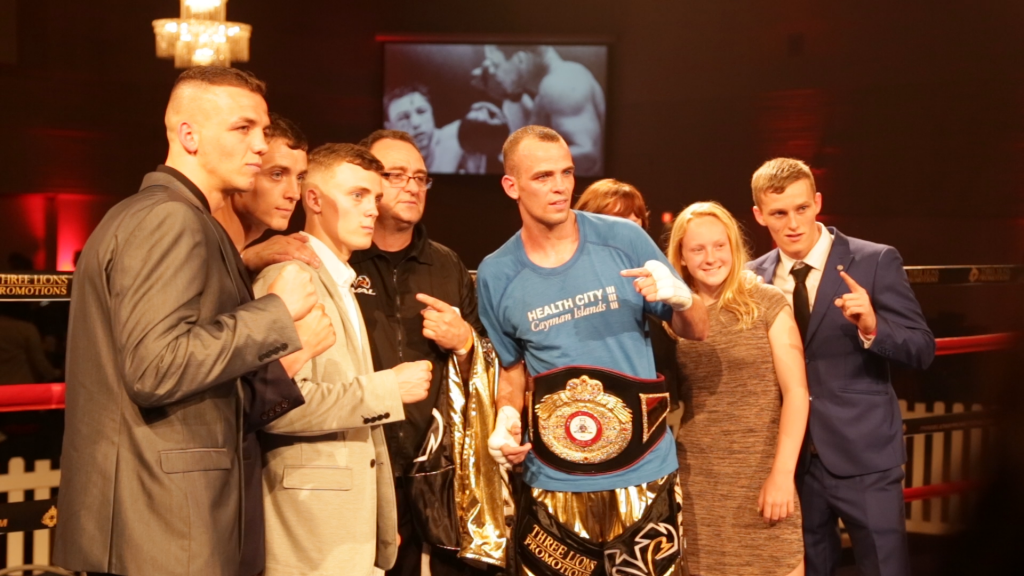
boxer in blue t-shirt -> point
(564, 302)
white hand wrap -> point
(502, 435)
(671, 290)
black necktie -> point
(801, 302)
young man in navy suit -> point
(856, 313)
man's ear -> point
(188, 137)
(313, 200)
(817, 202)
(509, 184)
(758, 216)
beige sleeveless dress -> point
(726, 445)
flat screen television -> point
(460, 101)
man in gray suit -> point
(170, 360)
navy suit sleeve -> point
(903, 335)
(269, 394)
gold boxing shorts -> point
(635, 531)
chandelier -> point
(202, 36)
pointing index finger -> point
(636, 273)
(439, 305)
(851, 283)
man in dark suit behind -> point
(170, 360)
(856, 312)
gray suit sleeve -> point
(156, 283)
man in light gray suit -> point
(170, 360)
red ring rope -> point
(937, 490)
(967, 344)
(25, 397)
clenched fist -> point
(413, 380)
(295, 287)
(316, 334)
(504, 442)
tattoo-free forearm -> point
(512, 387)
(691, 323)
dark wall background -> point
(912, 113)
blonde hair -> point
(774, 176)
(614, 198)
(736, 291)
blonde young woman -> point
(745, 408)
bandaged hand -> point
(503, 444)
(656, 283)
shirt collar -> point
(340, 272)
(188, 184)
(420, 245)
(817, 257)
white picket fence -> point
(953, 456)
(15, 483)
(961, 461)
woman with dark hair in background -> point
(745, 408)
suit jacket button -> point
(284, 346)
(373, 462)
(387, 414)
(264, 416)
(366, 420)
(284, 403)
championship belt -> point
(586, 420)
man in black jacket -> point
(419, 303)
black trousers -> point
(410, 553)
(871, 507)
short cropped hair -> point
(403, 91)
(541, 133)
(221, 76)
(777, 174)
(285, 129)
(327, 156)
(614, 198)
(378, 135)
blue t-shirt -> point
(583, 312)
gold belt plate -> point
(583, 424)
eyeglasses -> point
(399, 179)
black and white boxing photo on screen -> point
(460, 101)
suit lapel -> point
(767, 268)
(232, 260)
(830, 283)
(348, 329)
(364, 349)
